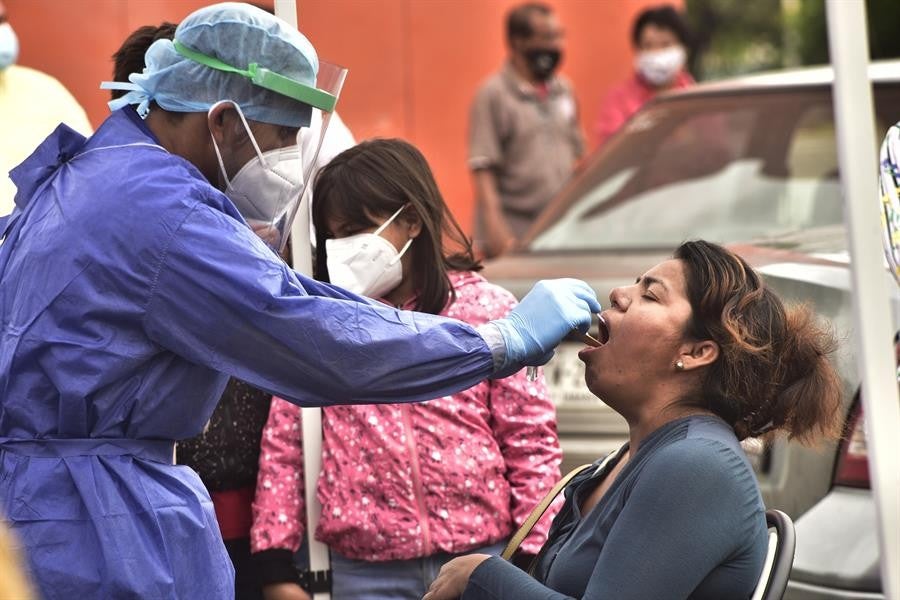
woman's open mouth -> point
(595, 343)
(602, 330)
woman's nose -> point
(618, 298)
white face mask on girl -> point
(268, 185)
(660, 67)
(366, 264)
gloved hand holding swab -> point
(585, 338)
(547, 314)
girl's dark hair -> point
(373, 180)
(664, 17)
(773, 371)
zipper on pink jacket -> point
(417, 479)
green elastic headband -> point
(265, 78)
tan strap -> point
(539, 510)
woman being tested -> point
(698, 355)
(404, 487)
(131, 288)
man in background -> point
(524, 137)
(32, 104)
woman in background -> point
(661, 40)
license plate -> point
(565, 378)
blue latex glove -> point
(546, 315)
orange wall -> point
(414, 64)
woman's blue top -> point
(683, 519)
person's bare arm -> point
(498, 238)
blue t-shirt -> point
(683, 519)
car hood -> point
(601, 270)
(607, 269)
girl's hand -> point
(454, 577)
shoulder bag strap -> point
(539, 510)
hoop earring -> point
(679, 365)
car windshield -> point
(738, 167)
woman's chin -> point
(592, 383)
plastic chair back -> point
(779, 559)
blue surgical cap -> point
(237, 34)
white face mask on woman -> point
(268, 184)
(366, 264)
(660, 67)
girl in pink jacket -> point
(404, 488)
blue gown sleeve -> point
(220, 298)
(688, 512)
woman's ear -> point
(698, 354)
(413, 223)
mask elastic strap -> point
(249, 131)
(219, 157)
(389, 221)
(402, 251)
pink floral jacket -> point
(402, 481)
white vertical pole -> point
(855, 119)
(286, 10)
(319, 560)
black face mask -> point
(543, 62)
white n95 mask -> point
(659, 67)
(366, 264)
(9, 46)
(268, 185)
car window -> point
(723, 168)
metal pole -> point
(319, 559)
(855, 120)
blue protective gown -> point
(130, 290)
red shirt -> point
(625, 100)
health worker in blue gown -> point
(132, 287)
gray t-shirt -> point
(683, 520)
(529, 139)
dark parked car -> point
(751, 163)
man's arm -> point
(220, 298)
(498, 237)
(486, 152)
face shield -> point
(271, 211)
